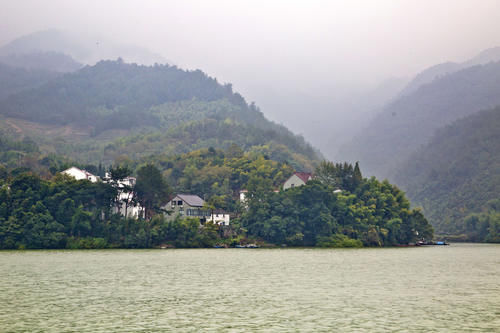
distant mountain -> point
(458, 174)
(47, 61)
(437, 71)
(329, 121)
(410, 121)
(116, 109)
(84, 49)
(14, 80)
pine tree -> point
(357, 177)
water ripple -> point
(435, 289)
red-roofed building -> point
(297, 179)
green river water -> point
(426, 289)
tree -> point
(357, 177)
(119, 173)
(125, 191)
(151, 189)
(328, 174)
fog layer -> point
(311, 65)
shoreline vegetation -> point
(338, 208)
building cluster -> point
(188, 205)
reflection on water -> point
(450, 288)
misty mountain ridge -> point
(16, 79)
(84, 49)
(47, 61)
(113, 108)
(440, 70)
(411, 120)
(457, 174)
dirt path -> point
(17, 128)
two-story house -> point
(187, 205)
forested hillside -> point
(437, 71)
(65, 213)
(14, 80)
(411, 120)
(112, 109)
(456, 177)
(48, 61)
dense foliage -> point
(218, 175)
(101, 112)
(14, 80)
(373, 213)
(63, 212)
(111, 89)
(458, 174)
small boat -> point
(432, 243)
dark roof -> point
(305, 176)
(192, 200)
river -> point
(426, 289)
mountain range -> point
(57, 97)
(83, 48)
(457, 175)
(410, 120)
(113, 108)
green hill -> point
(112, 109)
(456, 177)
(48, 61)
(14, 80)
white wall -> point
(293, 181)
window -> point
(179, 203)
(293, 185)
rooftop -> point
(305, 176)
(191, 200)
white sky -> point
(313, 47)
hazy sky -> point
(266, 48)
(344, 40)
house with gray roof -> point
(187, 205)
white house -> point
(127, 206)
(79, 174)
(297, 179)
(219, 218)
(125, 200)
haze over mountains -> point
(437, 71)
(456, 176)
(99, 112)
(412, 118)
(56, 90)
(438, 140)
(85, 49)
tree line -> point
(339, 208)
